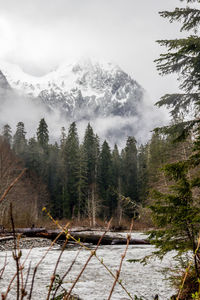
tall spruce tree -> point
(43, 134)
(130, 170)
(82, 184)
(143, 174)
(91, 149)
(54, 180)
(176, 213)
(42, 140)
(117, 183)
(105, 177)
(63, 138)
(71, 161)
(7, 134)
(19, 140)
(32, 157)
(182, 57)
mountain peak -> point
(85, 88)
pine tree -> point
(63, 137)
(130, 170)
(117, 183)
(176, 212)
(182, 57)
(54, 181)
(19, 140)
(82, 184)
(143, 174)
(105, 179)
(32, 157)
(43, 134)
(71, 161)
(43, 148)
(7, 133)
(116, 166)
(89, 145)
(91, 149)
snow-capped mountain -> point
(80, 90)
(83, 91)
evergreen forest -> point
(88, 180)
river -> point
(96, 282)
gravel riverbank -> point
(25, 243)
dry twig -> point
(121, 262)
(66, 273)
(4, 296)
(56, 266)
(78, 242)
(43, 257)
(4, 266)
(16, 254)
(11, 185)
(93, 253)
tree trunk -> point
(119, 208)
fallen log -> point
(85, 237)
(107, 239)
(30, 232)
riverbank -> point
(24, 243)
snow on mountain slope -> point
(80, 90)
(83, 91)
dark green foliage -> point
(105, 177)
(82, 181)
(176, 209)
(143, 174)
(71, 161)
(7, 133)
(182, 57)
(91, 149)
(190, 17)
(177, 213)
(63, 137)
(105, 169)
(19, 140)
(130, 170)
(116, 166)
(43, 134)
(33, 155)
(53, 180)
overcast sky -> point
(40, 34)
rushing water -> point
(95, 283)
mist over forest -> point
(100, 149)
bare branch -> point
(121, 262)
(11, 185)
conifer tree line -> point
(84, 180)
(89, 180)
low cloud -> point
(115, 129)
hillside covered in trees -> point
(87, 180)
